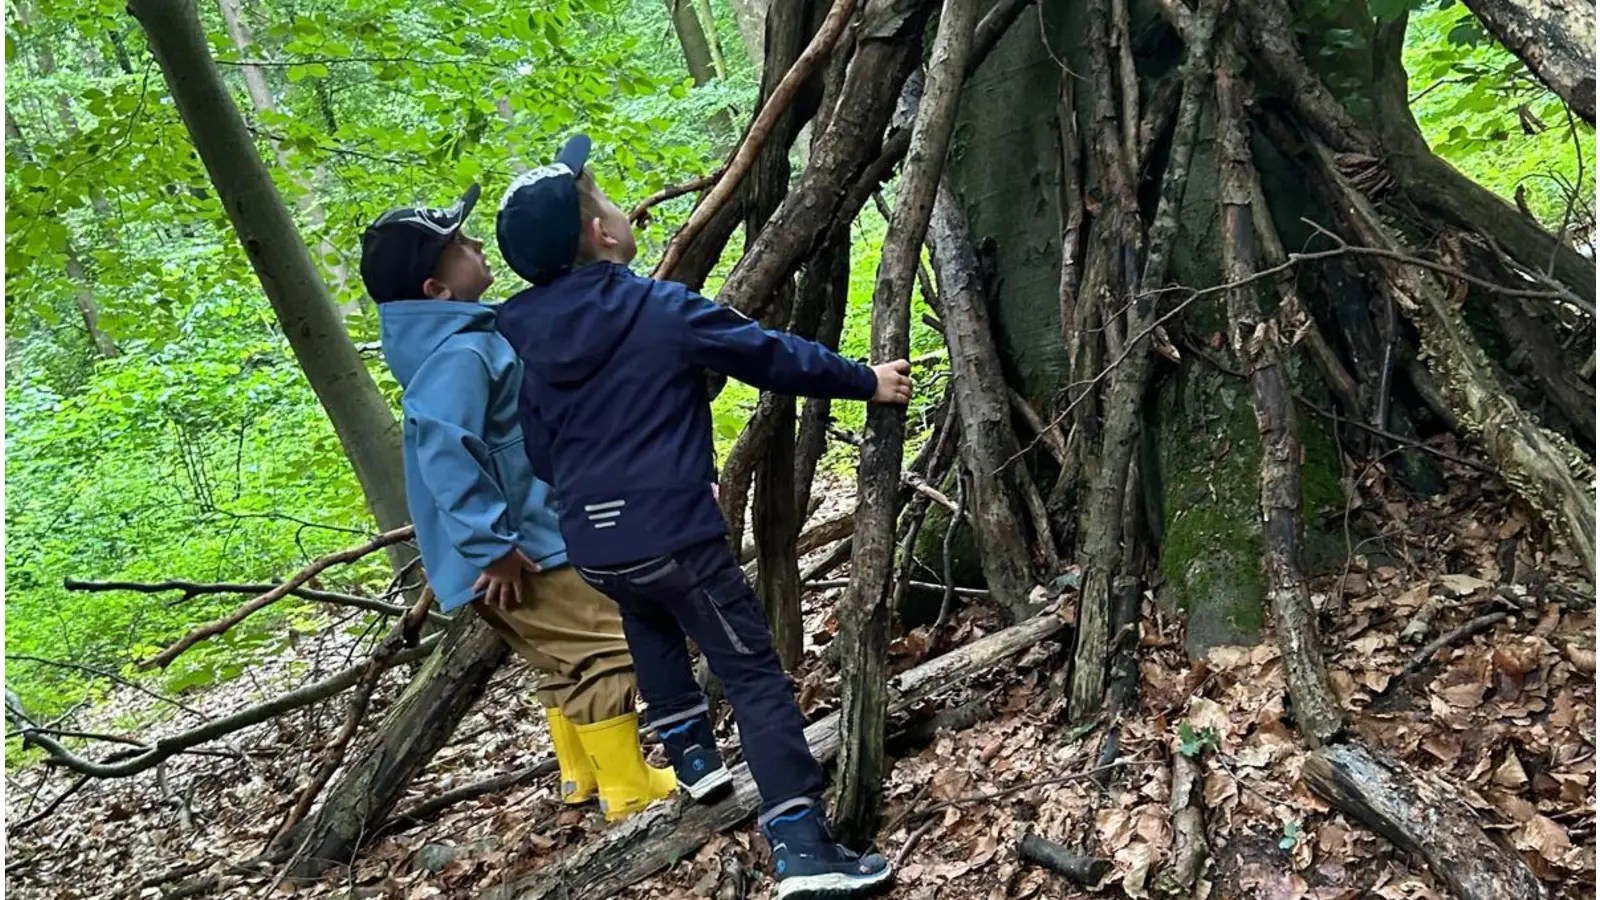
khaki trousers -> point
(573, 633)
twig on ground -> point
(1029, 785)
(334, 754)
(130, 762)
(51, 807)
(1086, 871)
(108, 675)
(912, 841)
(1450, 639)
(919, 585)
(427, 809)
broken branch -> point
(219, 626)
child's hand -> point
(894, 382)
(501, 583)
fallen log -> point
(812, 539)
(657, 838)
(1420, 818)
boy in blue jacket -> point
(484, 525)
(619, 421)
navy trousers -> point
(700, 592)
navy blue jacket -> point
(615, 408)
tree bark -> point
(260, 92)
(708, 24)
(361, 417)
(1256, 341)
(414, 728)
(989, 448)
(661, 836)
(864, 613)
(751, 17)
(692, 38)
(1423, 820)
(1539, 465)
(1554, 37)
(886, 52)
(1102, 550)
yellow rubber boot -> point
(626, 782)
(577, 776)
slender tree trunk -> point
(1554, 37)
(989, 449)
(83, 292)
(261, 98)
(361, 417)
(692, 38)
(708, 24)
(864, 611)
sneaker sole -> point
(708, 785)
(833, 885)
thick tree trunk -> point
(360, 415)
(1102, 550)
(661, 836)
(864, 612)
(414, 728)
(1554, 37)
(751, 17)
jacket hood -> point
(411, 330)
(582, 318)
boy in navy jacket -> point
(618, 419)
(484, 524)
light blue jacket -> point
(470, 489)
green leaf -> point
(1291, 834)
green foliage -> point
(1192, 743)
(1482, 110)
(1292, 834)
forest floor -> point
(1506, 718)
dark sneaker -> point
(692, 748)
(810, 864)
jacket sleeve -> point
(447, 409)
(724, 340)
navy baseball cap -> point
(401, 249)
(537, 226)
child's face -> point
(462, 272)
(610, 234)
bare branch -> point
(123, 765)
(219, 626)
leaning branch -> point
(821, 44)
(220, 626)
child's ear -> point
(434, 289)
(598, 234)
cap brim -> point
(575, 155)
(468, 201)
